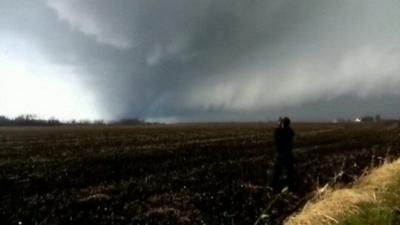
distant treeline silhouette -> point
(33, 120)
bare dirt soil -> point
(174, 174)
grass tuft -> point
(371, 214)
(386, 211)
(374, 200)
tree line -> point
(33, 120)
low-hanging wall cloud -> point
(203, 60)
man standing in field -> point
(283, 135)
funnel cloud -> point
(204, 60)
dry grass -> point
(333, 204)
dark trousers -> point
(283, 166)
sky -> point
(200, 60)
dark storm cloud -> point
(210, 60)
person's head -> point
(286, 122)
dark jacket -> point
(284, 142)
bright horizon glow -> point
(30, 85)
